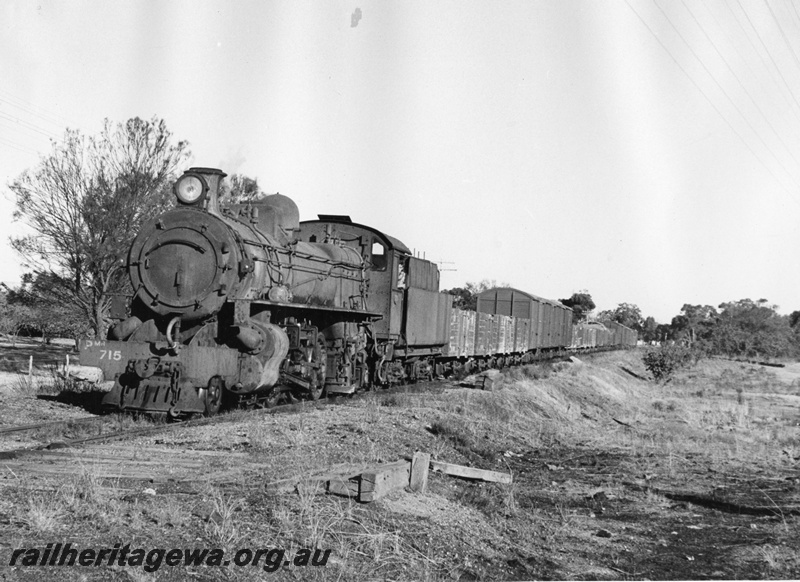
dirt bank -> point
(613, 478)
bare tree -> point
(86, 200)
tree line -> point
(742, 328)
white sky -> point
(554, 145)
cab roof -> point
(391, 242)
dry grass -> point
(544, 524)
(221, 528)
(44, 513)
(719, 411)
(81, 497)
(28, 384)
(41, 380)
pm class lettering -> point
(119, 555)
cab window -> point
(378, 252)
(402, 268)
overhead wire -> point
(702, 91)
(794, 8)
(766, 49)
(765, 65)
(722, 89)
(783, 35)
(15, 115)
(17, 146)
(741, 84)
(27, 125)
(43, 114)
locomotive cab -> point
(382, 255)
(404, 288)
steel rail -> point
(36, 426)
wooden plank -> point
(376, 483)
(164, 451)
(107, 474)
(470, 472)
(419, 472)
(310, 487)
(367, 483)
(89, 464)
(334, 473)
(345, 487)
(194, 457)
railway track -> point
(116, 453)
(232, 416)
(124, 462)
(437, 385)
(432, 386)
(47, 425)
(53, 434)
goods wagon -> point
(589, 334)
(509, 326)
(550, 322)
(596, 334)
(619, 335)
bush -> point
(664, 361)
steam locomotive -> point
(243, 302)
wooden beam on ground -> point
(370, 483)
(486, 384)
(470, 472)
(316, 481)
(366, 483)
(419, 472)
(344, 486)
(376, 483)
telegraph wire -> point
(794, 8)
(707, 98)
(764, 63)
(11, 104)
(25, 129)
(20, 103)
(765, 68)
(783, 34)
(724, 92)
(27, 125)
(769, 54)
(17, 146)
(735, 76)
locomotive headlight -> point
(190, 188)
